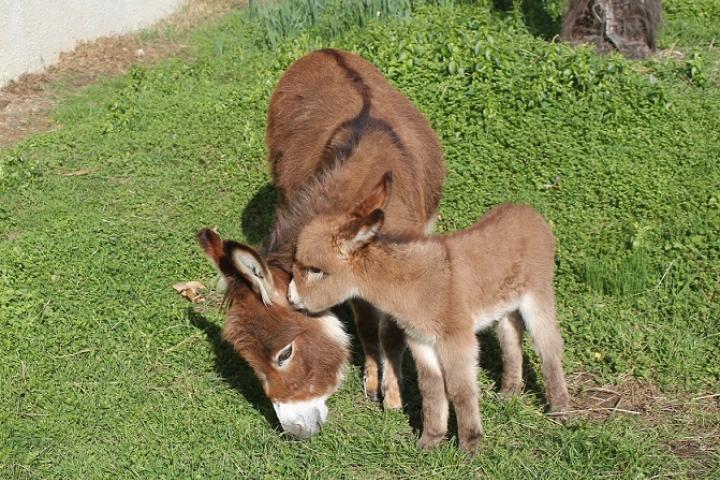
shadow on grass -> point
(539, 21)
(257, 218)
(234, 370)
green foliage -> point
(283, 20)
(105, 372)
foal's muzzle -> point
(302, 419)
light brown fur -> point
(334, 126)
(442, 290)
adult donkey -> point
(335, 126)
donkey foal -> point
(442, 290)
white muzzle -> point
(293, 296)
(302, 419)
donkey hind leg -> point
(367, 322)
(392, 342)
(458, 358)
(538, 313)
(509, 333)
(432, 389)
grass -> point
(106, 372)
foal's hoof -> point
(559, 410)
(559, 415)
(511, 389)
(428, 442)
(469, 442)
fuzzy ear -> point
(378, 198)
(212, 244)
(234, 259)
(360, 231)
(254, 269)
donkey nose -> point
(302, 419)
(293, 297)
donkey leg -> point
(538, 313)
(458, 358)
(434, 400)
(392, 341)
(367, 322)
(509, 332)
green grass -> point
(106, 372)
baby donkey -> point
(442, 290)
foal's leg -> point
(538, 312)
(392, 342)
(509, 332)
(367, 322)
(432, 389)
(458, 358)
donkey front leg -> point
(538, 313)
(458, 358)
(432, 389)
(392, 343)
(367, 322)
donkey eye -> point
(284, 355)
(314, 273)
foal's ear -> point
(254, 269)
(378, 198)
(360, 231)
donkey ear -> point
(360, 231)
(254, 269)
(212, 245)
(378, 198)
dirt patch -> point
(25, 103)
(692, 422)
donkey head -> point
(298, 359)
(330, 247)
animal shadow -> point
(233, 369)
(257, 218)
(491, 363)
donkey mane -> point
(316, 196)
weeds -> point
(104, 370)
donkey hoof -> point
(559, 410)
(469, 442)
(373, 396)
(511, 389)
(392, 401)
(372, 390)
(559, 415)
(428, 441)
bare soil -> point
(26, 102)
(694, 419)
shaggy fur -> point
(442, 290)
(334, 126)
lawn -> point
(106, 372)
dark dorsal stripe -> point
(289, 219)
(358, 126)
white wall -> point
(34, 32)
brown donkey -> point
(442, 290)
(335, 125)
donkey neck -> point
(399, 277)
(345, 176)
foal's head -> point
(331, 251)
(297, 358)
